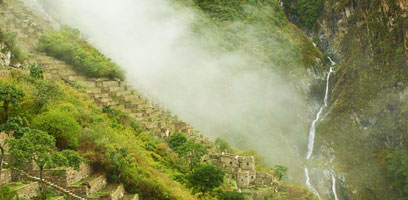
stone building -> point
(240, 168)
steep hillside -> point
(78, 98)
(365, 129)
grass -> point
(14, 186)
(67, 45)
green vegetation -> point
(303, 13)
(68, 46)
(231, 196)
(223, 145)
(205, 178)
(177, 140)
(36, 71)
(280, 171)
(62, 125)
(192, 152)
(9, 96)
(6, 193)
(38, 146)
(397, 167)
(260, 30)
(367, 118)
(17, 56)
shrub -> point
(177, 140)
(205, 178)
(231, 196)
(36, 71)
(68, 46)
(5, 193)
(61, 125)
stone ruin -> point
(240, 168)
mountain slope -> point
(368, 120)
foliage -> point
(36, 71)
(205, 178)
(62, 125)
(397, 167)
(310, 10)
(223, 145)
(67, 45)
(46, 91)
(368, 115)
(177, 140)
(192, 152)
(232, 196)
(5, 193)
(16, 125)
(303, 13)
(119, 159)
(280, 171)
(38, 146)
(10, 95)
(17, 56)
(260, 30)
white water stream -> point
(312, 133)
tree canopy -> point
(10, 95)
(192, 152)
(205, 178)
(177, 140)
(280, 171)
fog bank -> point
(222, 94)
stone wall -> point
(6, 176)
(118, 194)
(64, 177)
(90, 187)
(29, 191)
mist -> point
(221, 93)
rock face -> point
(367, 116)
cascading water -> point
(312, 132)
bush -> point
(205, 178)
(231, 196)
(177, 140)
(61, 125)
(68, 46)
(5, 193)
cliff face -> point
(368, 115)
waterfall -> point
(312, 132)
(308, 184)
(334, 186)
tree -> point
(223, 145)
(280, 171)
(205, 178)
(192, 152)
(15, 126)
(177, 140)
(119, 159)
(231, 196)
(61, 125)
(38, 146)
(46, 92)
(10, 95)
